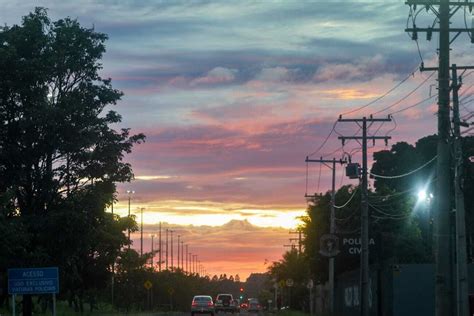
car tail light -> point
(258, 306)
(194, 304)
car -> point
(224, 303)
(254, 306)
(236, 303)
(202, 304)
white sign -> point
(290, 282)
(310, 284)
(352, 245)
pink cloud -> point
(216, 75)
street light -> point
(422, 195)
(152, 250)
(129, 192)
(425, 197)
(141, 231)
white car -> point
(202, 304)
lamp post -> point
(160, 249)
(152, 250)
(141, 231)
(190, 256)
(172, 263)
(182, 255)
(129, 192)
(187, 256)
(166, 265)
(179, 236)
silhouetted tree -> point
(59, 157)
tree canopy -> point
(60, 159)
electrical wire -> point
(467, 130)
(465, 24)
(414, 105)
(392, 216)
(348, 217)
(342, 147)
(325, 140)
(413, 20)
(406, 96)
(342, 177)
(405, 174)
(394, 127)
(383, 95)
(396, 194)
(348, 201)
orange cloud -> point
(236, 247)
(348, 94)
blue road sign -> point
(33, 281)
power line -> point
(405, 174)
(348, 201)
(413, 105)
(325, 140)
(394, 216)
(383, 95)
(406, 96)
(348, 217)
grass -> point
(63, 309)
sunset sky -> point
(233, 95)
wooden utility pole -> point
(179, 236)
(160, 249)
(182, 255)
(461, 249)
(444, 232)
(332, 221)
(166, 265)
(364, 255)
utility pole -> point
(159, 257)
(172, 263)
(182, 255)
(187, 269)
(167, 230)
(195, 263)
(461, 255)
(129, 192)
(152, 250)
(364, 255)
(292, 246)
(141, 231)
(190, 263)
(332, 221)
(179, 236)
(444, 287)
(299, 239)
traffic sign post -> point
(148, 285)
(310, 286)
(33, 281)
(289, 284)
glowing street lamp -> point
(425, 198)
(422, 195)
